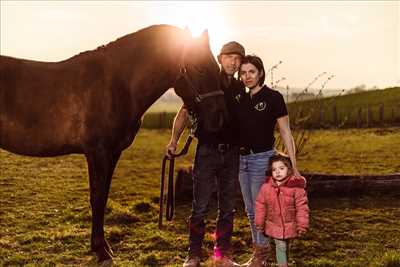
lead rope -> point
(170, 200)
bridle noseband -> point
(198, 98)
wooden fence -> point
(345, 117)
(316, 116)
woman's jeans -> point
(251, 176)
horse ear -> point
(204, 35)
(187, 31)
(188, 34)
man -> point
(216, 166)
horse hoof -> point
(106, 263)
(103, 257)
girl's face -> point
(279, 171)
(249, 75)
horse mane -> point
(152, 34)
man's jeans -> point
(251, 177)
(214, 170)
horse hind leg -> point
(101, 165)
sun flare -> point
(197, 16)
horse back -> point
(45, 106)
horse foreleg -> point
(101, 165)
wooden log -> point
(341, 185)
(318, 185)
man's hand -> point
(180, 121)
(170, 149)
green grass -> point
(158, 120)
(45, 213)
(352, 151)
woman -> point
(258, 113)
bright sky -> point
(358, 41)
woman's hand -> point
(259, 228)
(296, 172)
(301, 232)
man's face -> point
(230, 63)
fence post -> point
(397, 112)
(334, 114)
(359, 118)
(381, 113)
(321, 116)
(161, 119)
(393, 116)
(369, 117)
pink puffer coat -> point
(282, 210)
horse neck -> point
(148, 76)
(147, 63)
(158, 85)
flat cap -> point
(233, 48)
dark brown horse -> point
(93, 103)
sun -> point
(197, 16)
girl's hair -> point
(257, 62)
(279, 157)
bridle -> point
(198, 98)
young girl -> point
(281, 206)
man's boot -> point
(192, 261)
(259, 257)
(223, 259)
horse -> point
(93, 102)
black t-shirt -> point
(257, 117)
(229, 134)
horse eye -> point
(200, 70)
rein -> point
(197, 96)
(170, 205)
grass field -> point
(45, 213)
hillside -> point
(368, 108)
(388, 96)
(372, 108)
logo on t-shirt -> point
(261, 106)
(238, 97)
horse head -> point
(198, 83)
